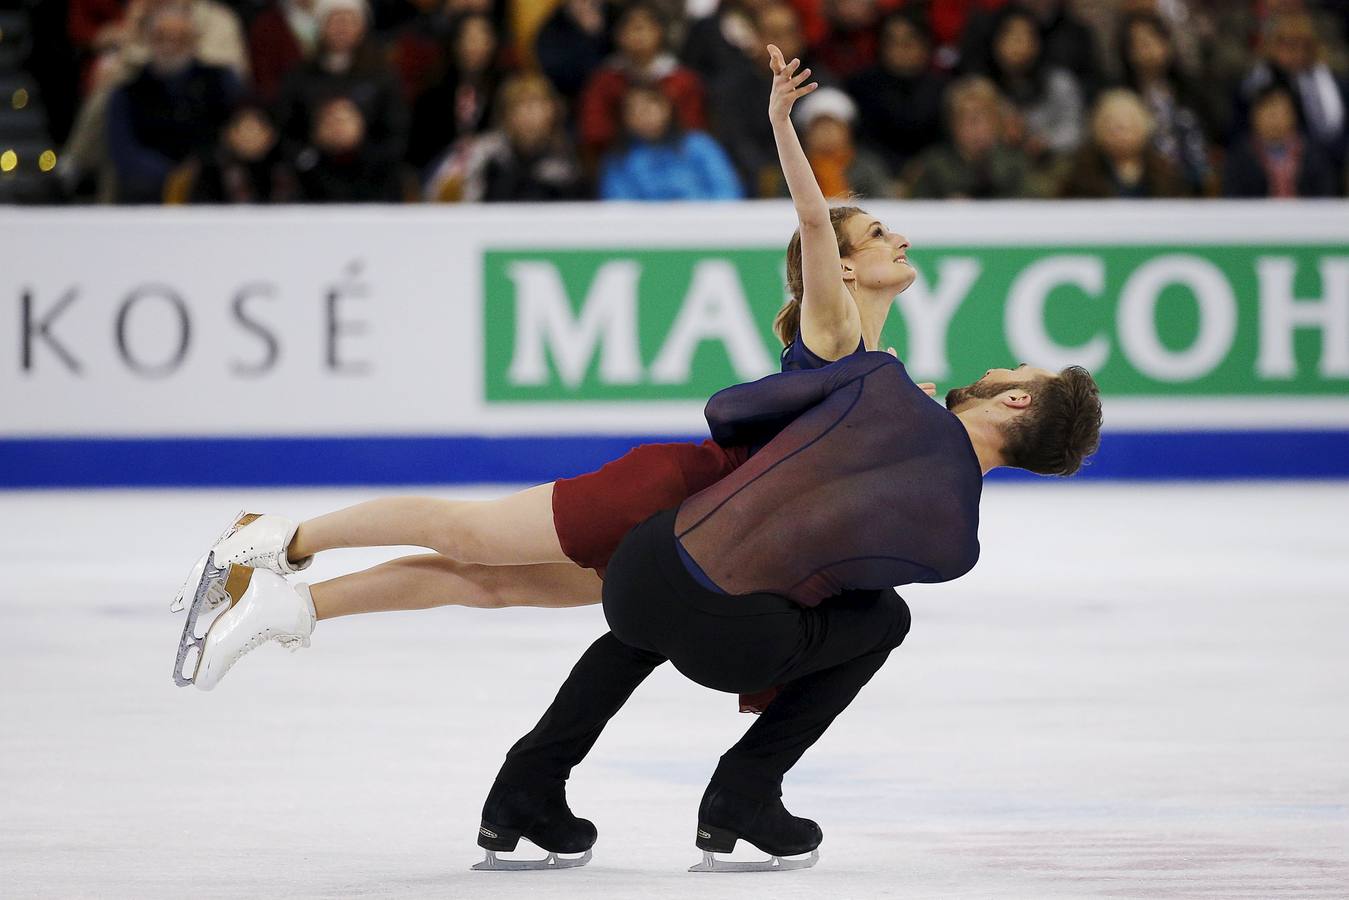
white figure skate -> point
(253, 540)
(262, 607)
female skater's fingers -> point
(791, 67)
(775, 59)
(929, 388)
(801, 92)
(800, 77)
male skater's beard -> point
(957, 397)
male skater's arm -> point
(755, 412)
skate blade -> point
(207, 593)
(241, 518)
(494, 863)
(710, 863)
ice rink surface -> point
(1141, 691)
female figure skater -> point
(547, 545)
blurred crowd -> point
(317, 101)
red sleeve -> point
(814, 25)
(949, 19)
(685, 90)
(273, 52)
(85, 18)
(415, 59)
(599, 110)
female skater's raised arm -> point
(830, 323)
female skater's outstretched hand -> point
(788, 86)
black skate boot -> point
(539, 815)
(725, 817)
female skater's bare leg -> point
(513, 530)
(421, 582)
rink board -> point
(461, 345)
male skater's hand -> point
(788, 84)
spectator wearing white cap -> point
(347, 63)
(826, 120)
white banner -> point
(352, 321)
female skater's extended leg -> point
(513, 530)
(264, 606)
(428, 580)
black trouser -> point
(740, 644)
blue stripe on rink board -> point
(404, 460)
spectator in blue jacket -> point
(660, 161)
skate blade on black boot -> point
(713, 840)
(495, 839)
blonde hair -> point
(1120, 99)
(788, 322)
(519, 88)
(973, 89)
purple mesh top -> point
(797, 356)
(863, 482)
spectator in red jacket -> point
(642, 57)
(281, 38)
(850, 44)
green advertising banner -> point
(1149, 321)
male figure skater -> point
(779, 574)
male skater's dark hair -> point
(1061, 428)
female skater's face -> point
(879, 258)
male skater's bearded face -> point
(994, 382)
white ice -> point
(1141, 691)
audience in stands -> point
(825, 120)
(1067, 42)
(659, 159)
(1150, 67)
(1275, 159)
(573, 43)
(1120, 160)
(1293, 56)
(341, 163)
(849, 44)
(423, 75)
(1046, 100)
(460, 103)
(347, 64)
(641, 58)
(174, 106)
(726, 50)
(113, 35)
(527, 158)
(975, 164)
(899, 100)
(247, 165)
(281, 38)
